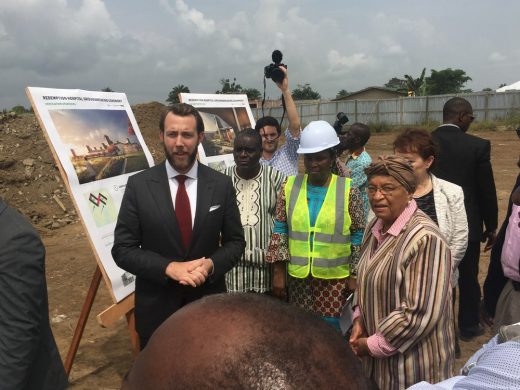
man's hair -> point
(182, 109)
(455, 106)
(361, 131)
(418, 141)
(268, 121)
(252, 342)
(250, 133)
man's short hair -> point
(182, 109)
(361, 131)
(268, 121)
(250, 133)
(246, 341)
(455, 106)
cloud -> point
(337, 61)
(497, 57)
(190, 16)
(52, 38)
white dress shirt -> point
(190, 183)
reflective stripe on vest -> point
(331, 249)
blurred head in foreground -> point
(245, 341)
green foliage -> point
(396, 84)
(415, 87)
(446, 81)
(229, 87)
(342, 93)
(173, 96)
(107, 89)
(381, 127)
(305, 92)
(19, 110)
(252, 93)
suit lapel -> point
(160, 191)
(205, 189)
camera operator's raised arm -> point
(292, 112)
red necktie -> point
(183, 211)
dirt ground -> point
(30, 181)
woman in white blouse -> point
(441, 200)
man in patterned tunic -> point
(256, 186)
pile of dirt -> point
(30, 180)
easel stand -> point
(105, 319)
(122, 308)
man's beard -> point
(190, 161)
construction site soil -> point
(31, 182)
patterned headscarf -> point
(396, 167)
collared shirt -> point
(511, 247)
(397, 226)
(494, 366)
(190, 183)
(377, 344)
(285, 159)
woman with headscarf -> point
(318, 228)
(403, 322)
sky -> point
(145, 48)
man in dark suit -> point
(464, 159)
(179, 228)
(29, 358)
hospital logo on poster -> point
(101, 207)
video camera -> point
(272, 71)
(340, 121)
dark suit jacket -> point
(147, 238)
(495, 279)
(464, 159)
(29, 358)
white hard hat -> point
(317, 136)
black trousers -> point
(469, 289)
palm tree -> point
(173, 96)
(414, 86)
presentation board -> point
(96, 142)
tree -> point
(305, 92)
(173, 96)
(415, 86)
(487, 90)
(396, 84)
(19, 110)
(446, 81)
(252, 93)
(341, 93)
(229, 87)
(107, 89)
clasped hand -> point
(358, 339)
(190, 273)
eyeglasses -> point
(270, 137)
(384, 190)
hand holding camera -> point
(277, 71)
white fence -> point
(403, 111)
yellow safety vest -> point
(330, 253)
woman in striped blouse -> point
(403, 322)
